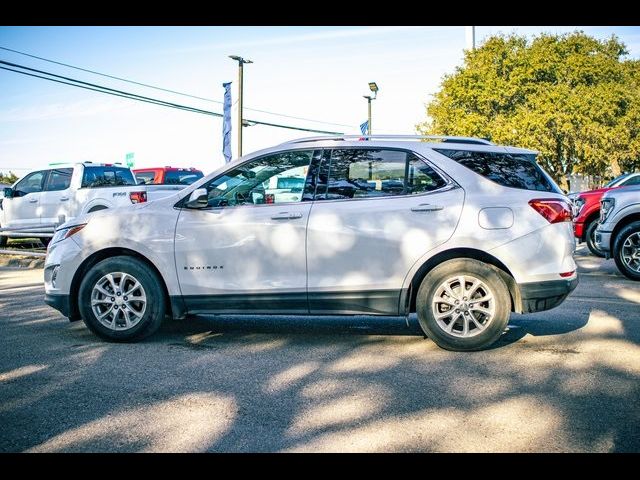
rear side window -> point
(59, 179)
(145, 178)
(181, 177)
(508, 170)
(95, 177)
(371, 173)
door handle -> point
(64, 199)
(426, 207)
(286, 216)
(33, 200)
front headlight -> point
(578, 203)
(606, 207)
(66, 233)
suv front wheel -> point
(121, 299)
(626, 251)
(463, 305)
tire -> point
(627, 244)
(114, 327)
(3, 240)
(45, 241)
(488, 327)
(589, 237)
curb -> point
(21, 262)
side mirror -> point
(8, 192)
(198, 199)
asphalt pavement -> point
(566, 380)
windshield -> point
(617, 181)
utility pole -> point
(241, 61)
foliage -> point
(571, 97)
(9, 178)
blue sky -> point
(313, 72)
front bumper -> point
(62, 303)
(539, 296)
(603, 241)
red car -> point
(167, 176)
(587, 209)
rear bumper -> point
(539, 296)
(578, 230)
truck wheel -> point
(3, 240)
(45, 241)
(590, 238)
(121, 299)
(463, 305)
(626, 251)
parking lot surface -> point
(562, 380)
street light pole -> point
(373, 86)
(368, 97)
(241, 61)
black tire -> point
(3, 240)
(45, 241)
(151, 283)
(618, 243)
(589, 237)
(493, 328)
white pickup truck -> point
(40, 198)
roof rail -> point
(443, 138)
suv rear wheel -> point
(121, 299)
(626, 251)
(463, 305)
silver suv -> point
(459, 230)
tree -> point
(571, 97)
(9, 179)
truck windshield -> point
(95, 177)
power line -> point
(132, 96)
(166, 89)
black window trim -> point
(180, 203)
(450, 184)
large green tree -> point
(573, 98)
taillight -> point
(554, 210)
(138, 197)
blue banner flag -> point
(364, 127)
(226, 123)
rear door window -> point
(506, 169)
(373, 173)
(95, 177)
(59, 179)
